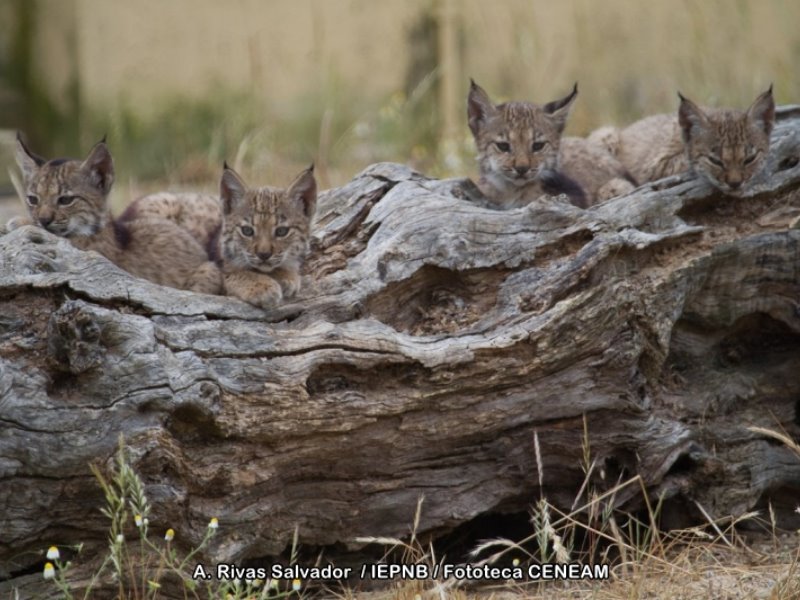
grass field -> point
(629, 58)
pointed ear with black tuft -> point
(303, 191)
(690, 118)
(100, 167)
(762, 111)
(232, 189)
(559, 109)
(479, 107)
(28, 162)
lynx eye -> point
(66, 200)
(538, 146)
(247, 231)
(503, 146)
(32, 200)
(714, 160)
(281, 231)
(749, 159)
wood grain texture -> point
(431, 339)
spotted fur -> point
(726, 147)
(197, 213)
(264, 237)
(518, 148)
(595, 169)
(69, 198)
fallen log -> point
(432, 338)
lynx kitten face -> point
(727, 147)
(518, 147)
(266, 228)
(264, 237)
(68, 197)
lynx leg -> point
(255, 288)
(289, 280)
(206, 279)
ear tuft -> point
(559, 109)
(232, 189)
(690, 117)
(100, 167)
(304, 191)
(479, 107)
(762, 111)
(28, 162)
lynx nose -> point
(45, 221)
(735, 184)
(521, 170)
(262, 256)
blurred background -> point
(270, 85)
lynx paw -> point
(262, 291)
(266, 298)
(614, 188)
(17, 222)
(290, 284)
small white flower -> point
(137, 519)
(213, 523)
(120, 538)
(53, 553)
(515, 562)
(49, 571)
(296, 585)
(169, 535)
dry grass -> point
(629, 58)
(712, 561)
(684, 564)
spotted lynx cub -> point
(726, 147)
(197, 213)
(521, 154)
(595, 169)
(264, 237)
(69, 198)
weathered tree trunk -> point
(432, 339)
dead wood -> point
(432, 339)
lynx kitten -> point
(518, 145)
(69, 198)
(595, 169)
(522, 155)
(264, 237)
(197, 213)
(727, 147)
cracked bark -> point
(432, 338)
